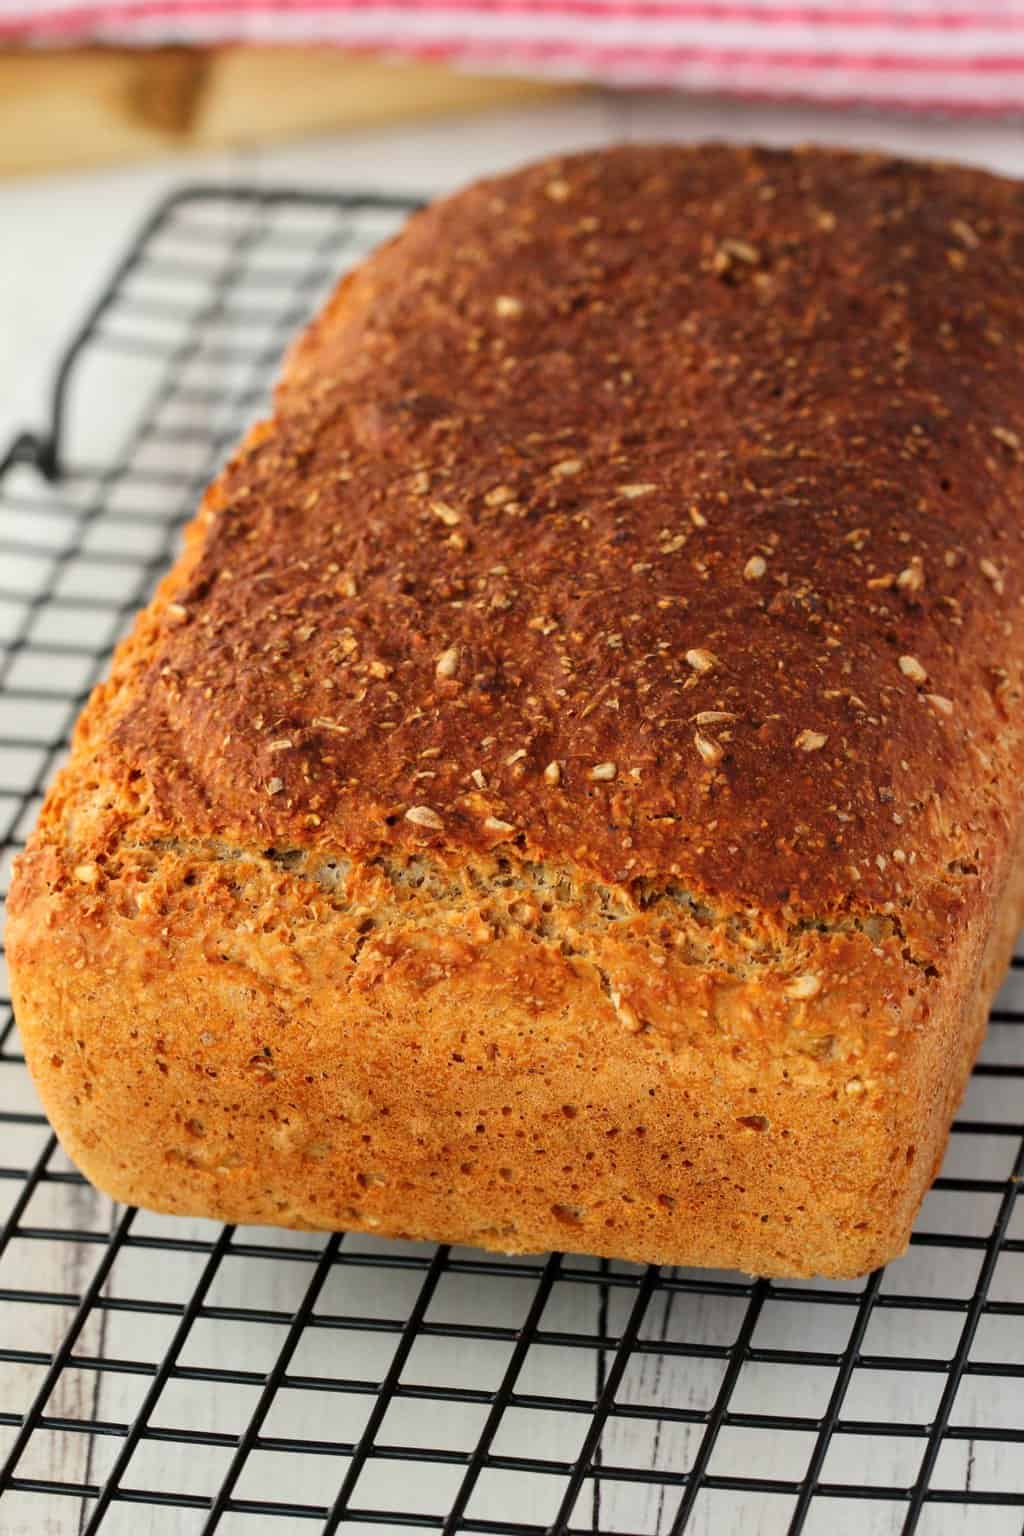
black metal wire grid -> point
(161, 1377)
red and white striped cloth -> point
(946, 55)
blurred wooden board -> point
(62, 109)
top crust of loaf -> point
(652, 514)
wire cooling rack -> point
(160, 1377)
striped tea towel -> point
(945, 55)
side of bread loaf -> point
(567, 792)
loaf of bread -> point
(568, 791)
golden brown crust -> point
(831, 407)
(605, 671)
(244, 1038)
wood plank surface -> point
(63, 109)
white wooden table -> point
(58, 239)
